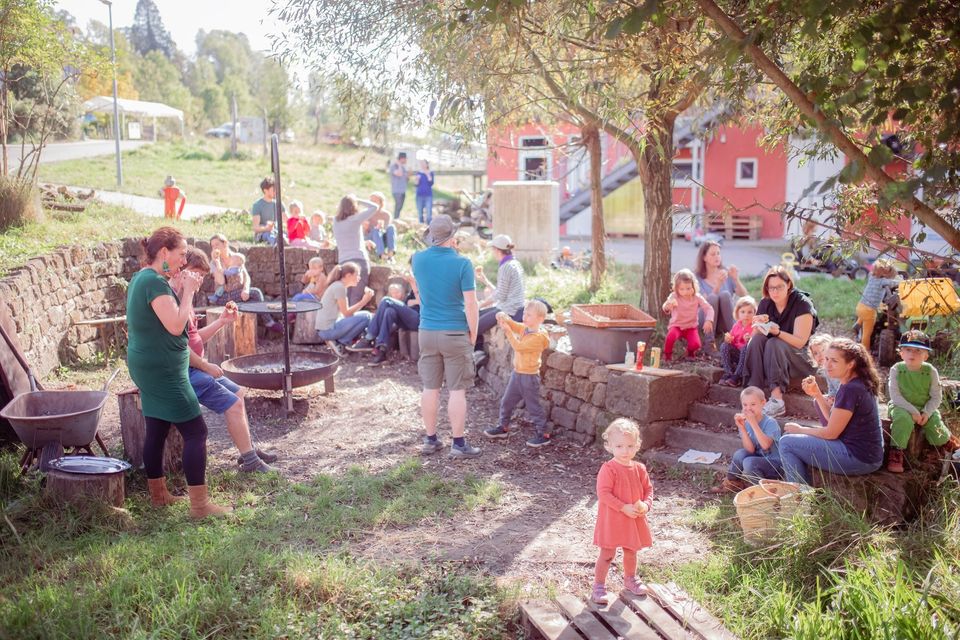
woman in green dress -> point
(158, 359)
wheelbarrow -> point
(47, 421)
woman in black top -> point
(774, 359)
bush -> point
(19, 203)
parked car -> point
(223, 131)
(332, 137)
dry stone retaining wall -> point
(582, 396)
(49, 294)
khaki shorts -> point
(446, 356)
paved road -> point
(72, 150)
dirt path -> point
(539, 531)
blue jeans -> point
(754, 466)
(732, 360)
(526, 387)
(390, 315)
(270, 237)
(385, 240)
(797, 452)
(425, 209)
(346, 330)
(398, 199)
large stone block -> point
(583, 366)
(574, 404)
(599, 373)
(587, 418)
(599, 396)
(885, 498)
(564, 418)
(648, 398)
(554, 379)
(560, 361)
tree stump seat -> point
(133, 432)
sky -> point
(183, 18)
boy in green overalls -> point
(915, 395)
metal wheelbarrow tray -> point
(68, 418)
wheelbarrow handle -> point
(110, 379)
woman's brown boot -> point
(200, 505)
(159, 495)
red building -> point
(717, 169)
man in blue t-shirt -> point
(264, 214)
(449, 313)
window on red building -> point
(746, 173)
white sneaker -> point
(774, 408)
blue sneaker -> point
(430, 446)
(539, 440)
(466, 451)
(497, 432)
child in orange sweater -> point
(625, 495)
(528, 341)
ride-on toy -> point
(910, 306)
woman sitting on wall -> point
(850, 442)
(721, 287)
(777, 352)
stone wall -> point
(49, 294)
(582, 396)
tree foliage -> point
(148, 33)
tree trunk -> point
(104, 487)
(316, 131)
(655, 165)
(598, 262)
(920, 211)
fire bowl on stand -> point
(265, 370)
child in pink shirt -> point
(683, 305)
(733, 351)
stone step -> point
(721, 414)
(693, 437)
(798, 404)
(668, 457)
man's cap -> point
(169, 182)
(502, 242)
(915, 339)
(441, 229)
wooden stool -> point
(303, 329)
(237, 339)
(133, 431)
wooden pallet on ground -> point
(735, 227)
(666, 614)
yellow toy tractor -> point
(910, 306)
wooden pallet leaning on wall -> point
(735, 227)
(667, 614)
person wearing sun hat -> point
(170, 194)
(915, 396)
(508, 294)
(447, 333)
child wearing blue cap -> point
(915, 396)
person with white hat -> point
(508, 294)
(448, 330)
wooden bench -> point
(108, 328)
(668, 613)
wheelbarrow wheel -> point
(887, 348)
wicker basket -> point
(792, 497)
(604, 316)
(757, 509)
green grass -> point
(279, 567)
(831, 575)
(318, 176)
(100, 223)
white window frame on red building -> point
(746, 183)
